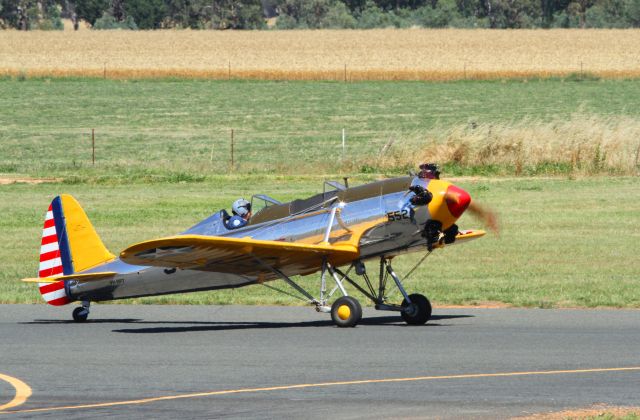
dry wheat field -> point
(384, 54)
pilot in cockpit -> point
(241, 210)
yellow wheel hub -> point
(344, 312)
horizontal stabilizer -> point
(79, 277)
(244, 256)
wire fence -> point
(590, 145)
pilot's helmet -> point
(241, 207)
(429, 171)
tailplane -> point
(69, 245)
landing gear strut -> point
(345, 311)
(415, 308)
(81, 313)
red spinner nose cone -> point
(457, 200)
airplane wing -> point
(243, 256)
(462, 236)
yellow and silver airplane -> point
(333, 233)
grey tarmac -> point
(127, 354)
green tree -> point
(633, 13)
(306, 13)
(234, 14)
(148, 14)
(338, 16)
(372, 16)
(440, 16)
(108, 21)
(91, 10)
(192, 14)
(607, 14)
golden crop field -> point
(384, 54)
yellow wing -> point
(244, 256)
(461, 237)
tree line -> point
(319, 14)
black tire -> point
(80, 314)
(346, 312)
(420, 312)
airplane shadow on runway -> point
(91, 321)
(194, 326)
(221, 326)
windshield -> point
(211, 226)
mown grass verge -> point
(174, 131)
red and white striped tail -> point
(51, 263)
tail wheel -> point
(346, 312)
(419, 312)
(80, 314)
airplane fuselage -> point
(379, 214)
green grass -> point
(163, 163)
(610, 416)
(564, 242)
(172, 130)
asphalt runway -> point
(275, 362)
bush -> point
(565, 20)
(148, 14)
(109, 22)
(633, 13)
(607, 14)
(469, 22)
(338, 17)
(91, 10)
(286, 22)
(371, 16)
(440, 16)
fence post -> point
(93, 146)
(211, 157)
(345, 72)
(232, 157)
(229, 73)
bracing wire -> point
(285, 292)
(416, 266)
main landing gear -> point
(81, 313)
(417, 310)
(346, 310)
(414, 310)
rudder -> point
(69, 245)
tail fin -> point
(69, 244)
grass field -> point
(568, 238)
(180, 130)
(563, 242)
(383, 54)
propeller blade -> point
(486, 215)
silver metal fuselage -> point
(383, 237)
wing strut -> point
(286, 279)
(320, 303)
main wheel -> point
(346, 312)
(80, 314)
(419, 312)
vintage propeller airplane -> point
(324, 233)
